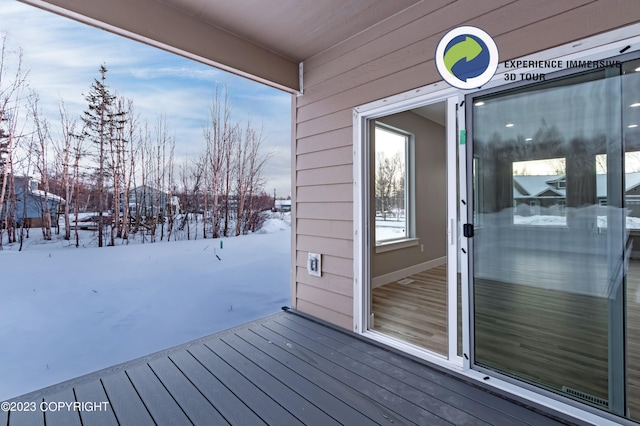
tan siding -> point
(325, 228)
(326, 158)
(331, 264)
(324, 123)
(336, 211)
(588, 20)
(329, 282)
(392, 23)
(416, 42)
(318, 311)
(326, 176)
(393, 57)
(326, 193)
(390, 50)
(515, 21)
(337, 247)
(333, 139)
(339, 303)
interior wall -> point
(430, 196)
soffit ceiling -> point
(295, 29)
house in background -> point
(147, 201)
(549, 193)
(282, 205)
(31, 203)
(547, 316)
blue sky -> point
(63, 58)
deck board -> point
(262, 404)
(93, 392)
(283, 369)
(282, 394)
(357, 401)
(459, 390)
(414, 403)
(191, 401)
(125, 401)
(304, 386)
(229, 405)
(4, 418)
(163, 408)
(67, 417)
(26, 418)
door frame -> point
(595, 47)
(621, 49)
(362, 115)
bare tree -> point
(250, 161)
(218, 136)
(78, 151)
(10, 101)
(43, 136)
(388, 171)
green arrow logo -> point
(469, 49)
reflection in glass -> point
(551, 237)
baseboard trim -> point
(405, 272)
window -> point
(392, 180)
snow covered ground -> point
(67, 311)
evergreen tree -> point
(100, 119)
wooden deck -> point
(283, 369)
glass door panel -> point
(550, 235)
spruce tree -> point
(99, 120)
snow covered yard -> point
(67, 311)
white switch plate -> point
(314, 264)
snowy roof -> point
(50, 196)
(543, 185)
(534, 186)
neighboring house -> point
(548, 316)
(146, 200)
(31, 203)
(283, 205)
(549, 192)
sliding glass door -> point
(555, 173)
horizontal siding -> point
(328, 282)
(329, 315)
(326, 228)
(393, 57)
(416, 42)
(326, 158)
(325, 123)
(327, 140)
(336, 211)
(594, 18)
(326, 193)
(325, 176)
(331, 264)
(338, 302)
(323, 245)
(389, 52)
(392, 23)
(519, 29)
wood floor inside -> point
(554, 339)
